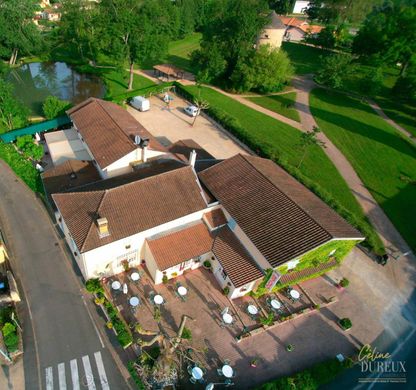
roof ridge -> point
(92, 223)
(291, 200)
(98, 101)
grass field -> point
(283, 141)
(305, 59)
(385, 161)
(281, 104)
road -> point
(63, 347)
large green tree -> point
(18, 33)
(13, 114)
(335, 69)
(230, 33)
(282, 7)
(389, 33)
(136, 30)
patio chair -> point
(219, 372)
(192, 380)
(228, 382)
(227, 362)
(151, 296)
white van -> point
(140, 103)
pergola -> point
(168, 70)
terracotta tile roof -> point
(174, 248)
(68, 175)
(107, 129)
(215, 218)
(294, 22)
(281, 217)
(234, 258)
(130, 208)
(311, 29)
(301, 24)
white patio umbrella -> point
(125, 289)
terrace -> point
(214, 342)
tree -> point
(265, 71)
(53, 107)
(335, 68)
(26, 144)
(307, 140)
(13, 114)
(230, 33)
(372, 83)
(136, 30)
(282, 7)
(389, 34)
(405, 86)
(18, 33)
(200, 105)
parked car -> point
(192, 110)
(140, 103)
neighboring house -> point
(273, 33)
(245, 215)
(107, 135)
(297, 30)
(300, 6)
(51, 14)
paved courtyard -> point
(316, 336)
(171, 125)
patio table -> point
(252, 310)
(135, 276)
(116, 285)
(182, 290)
(227, 371)
(275, 304)
(294, 294)
(134, 301)
(227, 318)
(197, 373)
(158, 299)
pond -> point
(34, 82)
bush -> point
(10, 336)
(54, 107)
(135, 376)
(93, 285)
(207, 264)
(186, 334)
(267, 320)
(344, 282)
(165, 279)
(345, 323)
(226, 290)
(27, 145)
(123, 335)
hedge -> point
(135, 376)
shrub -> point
(93, 285)
(344, 282)
(27, 145)
(345, 323)
(10, 336)
(135, 376)
(123, 335)
(186, 334)
(207, 264)
(54, 107)
(267, 320)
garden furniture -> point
(125, 289)
(227, 318)
(116, 285)
(226, 362)
(275, 304)
(227, 371)
(134, 301)
(192, 380)
(158, 299)
(228, 382)
(135, 276)
(294, 294)
(252, 311)
(182, 291)
(197, 373)
(219, 372)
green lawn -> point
(282, 141)
(281, 104)
(305, 59)
(178, 53)
(383, 159)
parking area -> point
(172, 124)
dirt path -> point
(388, 233)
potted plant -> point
(226, 290)
(174, 275)
(344, 282)
(126, 265)
(345, 323)
(253, 362)
(207, 264)
(164, 279)
(290, 348)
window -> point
(223, 274)
(75, 254)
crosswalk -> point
(70, 376)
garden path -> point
(391, 238)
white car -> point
(192, 110)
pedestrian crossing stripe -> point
(87, 381)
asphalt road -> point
(62, 344)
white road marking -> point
(101, 371)
(61, 376)
(49, 378)
(88, 373)
(74, 374)
(93, 322)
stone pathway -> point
(388, 233)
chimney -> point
(144, 154)
(102, 224)
(192, 158)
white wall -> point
(294, 34)
(97, 259)
(299, 7)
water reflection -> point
(34, 82)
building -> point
(273, 33)
(170, 213)
(300, 6)
(297, 30)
